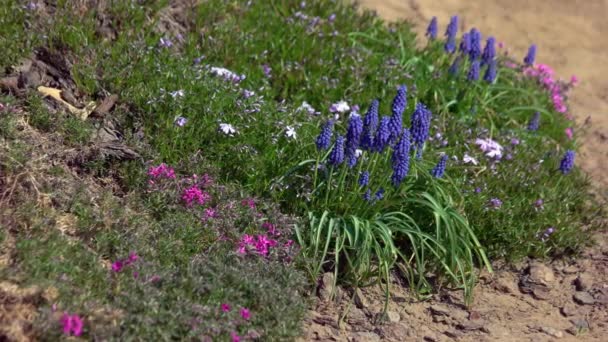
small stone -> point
(360, 299)
(431, 338)
(471, 325)
(439, 310)
(568, 310)
(474, 315)
(364, 337)
(584, 298)
(583, 282)
(453, 334)
(571, 270)
(580, 323)
(541, 274)
(327, 288)
(393, 316)
(505, 285)
(552, 332)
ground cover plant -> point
(273, 140)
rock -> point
(552, 332)
(541, 292)
(360, 301)
(505, 285)
(327, 288)
(541, 274)
(570, 270)
(471, 325)
(580, 323)
(584, 298)
(431, 338)
(583, 282)
(364, 337)
(455, 334)
(474, 315)
(395, 332)
(393, 316)
(439, 310)
(568, 310)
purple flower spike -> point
(567, 163)
(431, 30)
(531, 56)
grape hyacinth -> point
(364, 178)
(473, 74)
(383, 134)
(324, 138)
(336, 157)
(490, 74)
(489, 52)
(450, 33)
(439, 169)
(531, 56)
(399, 104)
(370, 124)
(367, 196)
(567, 163)
(401, 158)
(353, 137)
(453, 70)
(431, 30)
(379, 194)
(534, 123)
(420, 125)
(475, 50)
(465, 43)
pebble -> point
(568, 310)
(552, 332)
(584, 298)
(541, 274)
(583, 282)
(393, 316)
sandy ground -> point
(571, 36)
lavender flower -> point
(336, 156)
(383, 134)
(353, 137)
(370, 123)
(494, 203)
(490, 74)
(324, 138)
(399, 104)
(431, 30)
(531, 56)
(164, 42)
(475, 50)
(420, 123)
(367, 196)
(453, 70)
(539, 204)
(567, 162)
(489, 52)
(364, 178)
(450, 45)
(473, 74)
(547, 233)
(401, 158)
(465, 43)
(180, 121)
(439, 169)
(452, 28)
(266, 69)
(379, 194)
(534, 123)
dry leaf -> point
(83, 114)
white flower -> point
(339, 107)
(467, 159)
(290, 132)
(306, 107)
(177, 93)
(490, 147)
(358, 153)
(227, 129)
(222, 72)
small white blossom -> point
(339, 107)
(290, 132)
(177, 93)
(491, 148)
(467, 159)
(307, 107)
(228, 129)
(358, 153)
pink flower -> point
(72, 324)
(135, 274)
(225, 307)
(195, 195)
(289, 243)
(161, 171)
(249, 202)
(569, 132)
(245, 313)
(133, 257)
(510, 65)
(271, 228)
(235, 337)
(209, 213)
(117, 266)
(573, 80)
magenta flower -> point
(161, 171)
(133, 257)
(195, 195)
(235, 337)
(117, 266)
(209, 213)
(245, 313)
(569, 132)
(248, 202)
(225, 307)
(271, 228)
(72, 324)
